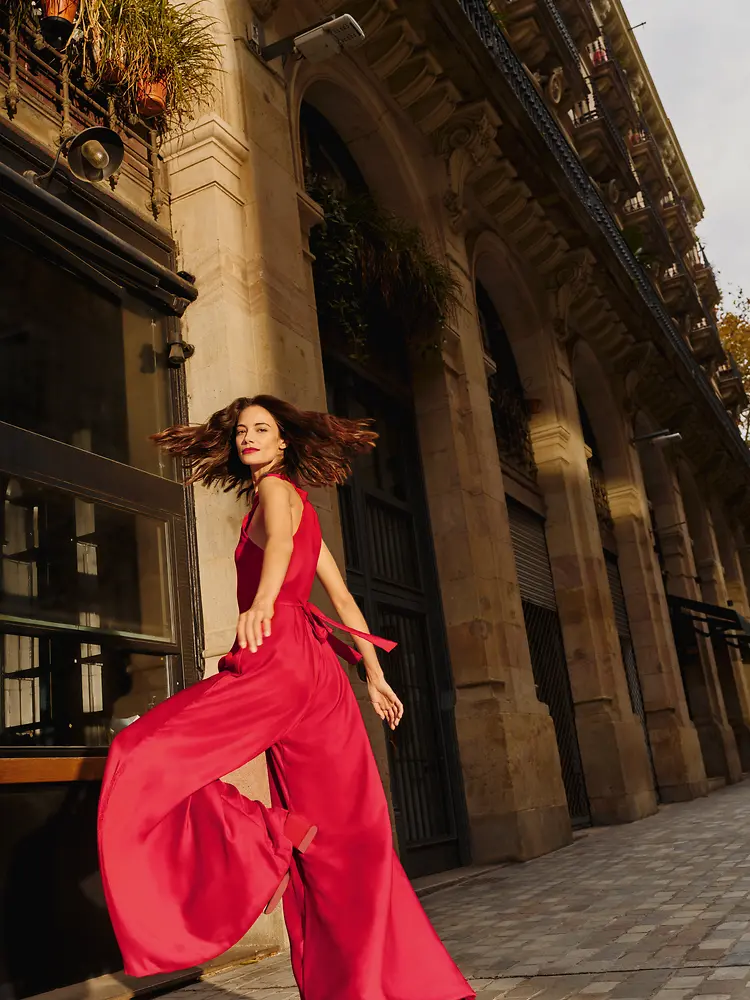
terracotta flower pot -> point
(110, 67)
(58, 18)
(62, 10)
(151, 98)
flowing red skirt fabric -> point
(188, 863)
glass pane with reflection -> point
(69, 560)
(59, 692)
(78, 365)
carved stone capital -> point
(567, 284)
(465, 142)
(472, 127)
(632, 365)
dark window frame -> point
(141, 260)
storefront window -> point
(69, 561)
(78, 365)
(64, 693)
(93, 577)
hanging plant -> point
(375, 275)
(160, 58)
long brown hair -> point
(319, 447)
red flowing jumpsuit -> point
(188, 863)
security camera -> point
(329, 39)
(323, 40)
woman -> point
(189, 863)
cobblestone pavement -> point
(659, 908)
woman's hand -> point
(383, 699)
(253, 625)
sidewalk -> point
(660, 908)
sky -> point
(697, 53)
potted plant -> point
(161, 59)
(375, 275)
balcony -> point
(638, 212)
(47, 99)
(612, 84)
(677, 290)
(731, 387)
(648, 161)
(600, 145)
(541, 38)
(703, 275)
(706, 345)
(675, 217)
(473, 28)
(580, 20)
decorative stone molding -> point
(209, 154)
(568, 284)
(556, 86)
(632, 365)
(310, 214)
(465, 142)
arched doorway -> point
(510, 417)
(390, 562)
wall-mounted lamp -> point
(323, 40)
(660, 438)
(178, 352)
(93, 155)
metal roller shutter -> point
(532, 561)
(546, 649)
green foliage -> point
(734, 329)
(634, 239)
(375, 275)
(121, 47)
(154, 41)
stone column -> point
(730, 668)
(698, 665)
(514, 793)
(612, 742)
(236, 221)
(675, 747)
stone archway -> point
(514, 810)
(644, 624)
(677, 564)
(612, 742)
(711, 577)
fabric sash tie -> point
(323, 627)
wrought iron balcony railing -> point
(37, 81)
(510, 417)
(551, 134)
(601, 497)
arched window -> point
(596, 468)
(510, 412)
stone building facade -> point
(568, 588)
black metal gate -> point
(391, 571)
(546, 648)
(622, 623)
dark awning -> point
(31, 213)
(712, 620)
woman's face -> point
(258, 439)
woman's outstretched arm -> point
(382, 696)
(275, 507)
